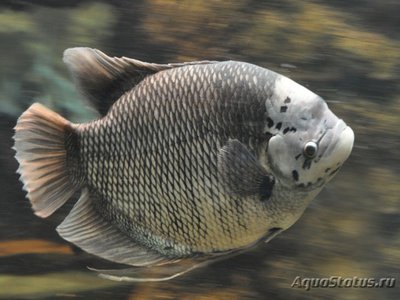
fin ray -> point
(103, 79)
(157, 273)
(240, 172)
(42, 156)
(88, 230)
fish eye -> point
(310, 149)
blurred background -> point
(347, 51)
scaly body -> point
(152, 160)
(191, 161)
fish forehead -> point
(153, 158)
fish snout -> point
(338, 142)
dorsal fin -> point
(103, 79)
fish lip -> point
(337, 134)
(346, 141)
(339, 144)
(340, 126)
(345, 133)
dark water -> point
(348, 52)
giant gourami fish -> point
(189, 163)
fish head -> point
(311, 144)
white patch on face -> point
(285, 87)
(294, 106)
(283, 162)
(340, 145)
(291, 102)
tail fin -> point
(40, 143)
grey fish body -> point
(193, 160)
(160, 142)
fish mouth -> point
(345, 141)
(337, 141)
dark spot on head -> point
(287, 100)
(297, 156)
(327, 170)
(301, 185)
(319, 179)
(283, 109)
(278, 126)
(286, 130)
(270, 123)
(303, 118)
(295, 175)
(293, 129)
(309, 184)
(266, 186)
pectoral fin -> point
(241, 174)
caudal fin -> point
(41, 137)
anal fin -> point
(85, 228)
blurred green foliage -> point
(32, 69)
